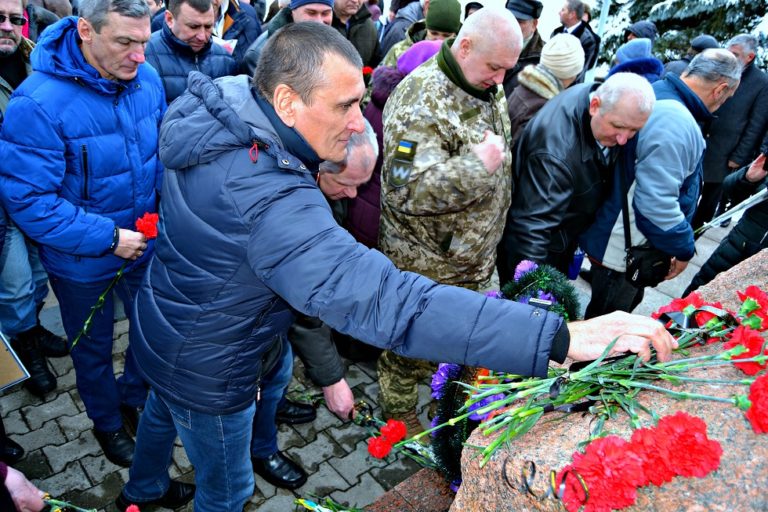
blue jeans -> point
(216, 445)
(102, 394)
(23, 282)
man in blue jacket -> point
(184, 44)
(246, 235)
(663, 171)
(78, 166)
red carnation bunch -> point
(611, 469)
(754, 308)
(132, 508)
(367, 70)
(691, 305)
(147, 225)
(393, 432)
(757, 414)
(753, 342)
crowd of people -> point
(324, 180)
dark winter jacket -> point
(557, 187)
(244, 237)
(676, 67)
(589, 41)
(174, 59)
(395, 31)
(92, 144)
(739, 126)
(651, 68)
(362, 34)
(251, 60)
(40, 18)
(536, 86)
(61, 8)
(531, 54)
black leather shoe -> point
(117, 446)
(280, 471)
(131, 417)
(41, 380)
(294, 413)
(11, 452)
(177, 495)
(50, 344)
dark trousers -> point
(711, 194)
(611, 292)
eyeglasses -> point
(19, 21)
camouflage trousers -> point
(398, 379)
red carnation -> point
(611, 472)
(394, 431)
(757, 414)
(367, 70)
(132, 508)
(683, 440)
(379, 447)
(687, 306)
(753, 342)
(653, 452)
(754, 308)
(147, 225)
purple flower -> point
(494, 294)
(440, 377)
(455, 485)
(432, 424)
(547, 296)
(482, 403)
(523, 268)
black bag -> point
(646, 265)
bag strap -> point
(629, 168)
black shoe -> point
(50, 344)
(41, 380)
(11, 452)
(131, 417)
(294, 413)
(280, 471)
(177, 495)
(117, 446)
(725, 223)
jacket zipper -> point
(84, 160)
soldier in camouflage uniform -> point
(446, 178)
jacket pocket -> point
(84, 169)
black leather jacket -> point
(560, 179)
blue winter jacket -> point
(174, 59)
(79, 156)
(246, 235)
(664, 176)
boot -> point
(41, 381)
(50, 344)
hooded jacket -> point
(79, 156)
(395, 31)
(174, 59)
(245, 236)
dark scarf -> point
(13, 69)
(447, 63)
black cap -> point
(525, 9)
(704, 42)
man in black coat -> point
(527, 14)
(735, 134)
(184, 44)
(571, 16)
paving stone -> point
(97, 467)
(18, 397)
(348, 435)
(101, 496)
(34, 465)
(362, 494)
(74, 426)
(323, 482)
(14, 423)
(120, 330)
(325, 419)
(313, 454)
(356, 376)
(62, 405)
(67, 382)
(181, 459)
(264, 489)
(48, 434)
(369, 368)
(371, 392)
(61, 365)
(59, 456)
(277, 503)
(391, 475)
(357, 463)
(288, 437)
(71, 479)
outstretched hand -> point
(339, 399)
(25, 496)
(635, 334)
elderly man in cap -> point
(527, 14)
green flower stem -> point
(64, 505)
(673, 378)
(99, 304)
(676, 394)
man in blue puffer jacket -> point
(246, 235)
(78, 166)
(184, 44)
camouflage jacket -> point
(416, 32)
(442, 212)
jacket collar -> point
(177, 45)
(673, 88)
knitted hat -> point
(418, 54)
(635, 49)
(295, 4)
(444, 16)
(563, 56)
(523, 9)
(704, 42)
(643, 28)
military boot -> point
(41, 381)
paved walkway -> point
(64, 459)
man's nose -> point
(622, 138)
(138, 57)
(351, 192)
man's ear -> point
(85, 30)
(719, 90)
(169, 18)
(285, 101)
(465, 46)
(594, 106)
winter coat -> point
(362, 34)
(40, 19)
(676, 67)
(174, 59)
(530, 55)
(442, 212)
(536, 86)
(25, 47)
(664, 187)
(283, 18)
(650, 68)
(92, 144)
(557, 187)
(364, 211)
(590, 42)
(245, 237)
(395, 31)
(417, 32)
(739, 126)
(61, 8)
